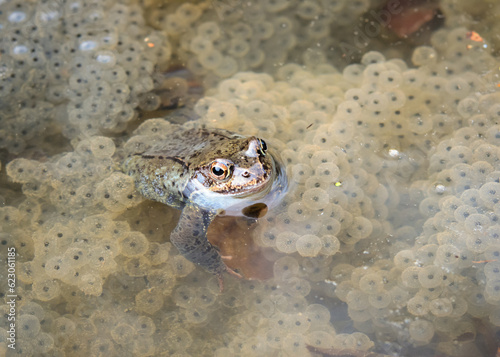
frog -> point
(205, 173)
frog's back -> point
(189, 144)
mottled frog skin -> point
(206, 172)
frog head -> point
(242, 167)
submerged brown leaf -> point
(234, 237)
(410, 15)
(344, 352)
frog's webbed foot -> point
(230, 271)
(220, 277)
(190, 238)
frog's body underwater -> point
(206, 172)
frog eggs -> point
(350, 229)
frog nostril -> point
(245, 174)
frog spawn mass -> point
(83, 68)
(410, 288)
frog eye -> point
(219, 170)
(263, 147)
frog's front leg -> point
(190, 238)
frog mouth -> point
(269, 178)
(267, 193)
(246, 187)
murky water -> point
(385, 115)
